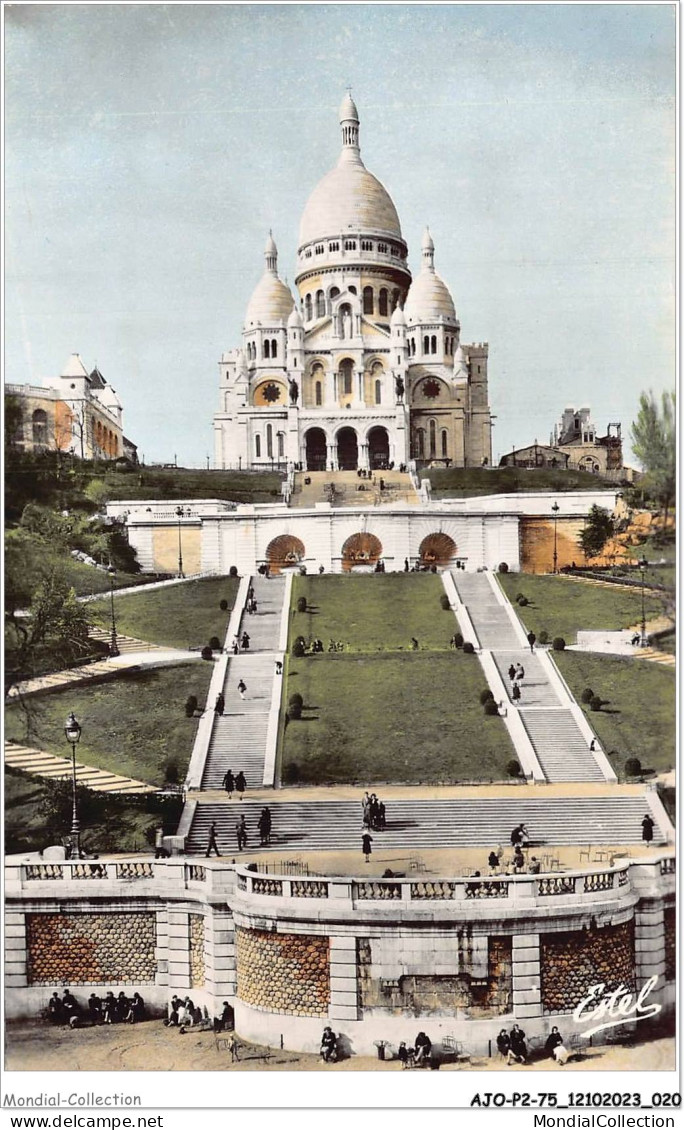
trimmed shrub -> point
(587, 695)
(302, 570)
(491, 708)
(298, 647)
(301, 604)
(485, 696)
(207, 653)
(513, 768)
(215, 643)
(232, 572)
(190, 706)
(518, 595)
(295, 710)
(171, 774)
(633, 767)
(295, 700)
(595, 703)
(223, 605)
(291, 774)
(503, 567)
(468, 648)
(558, 643)
(543, 636)
(523, 601)
(458, 639)
(444, 601)
(433, 568)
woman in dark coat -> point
(366, 842)
(647, 826)
(503, 1043)
(240, 784)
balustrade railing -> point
(89, 871)
(309, 889)
(195, 873)
(44, 871)
(266, 886)
(132, 869)
(556, 885)
(435, 889)
(377, 890)
(668, 866)
(599, 881)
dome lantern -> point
(349, 120)
(271, 301)
(429, 299)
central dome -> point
(349, 198)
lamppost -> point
(180, 513)
(113, 645)
(72, 731)
(555, 509)
(642, 569)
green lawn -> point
(134, 725)
(182, 482)
(466, 482)
(563, 607)
(186, 615)
(638, 719)
(38, 813)
(376, 612)
(394, 718)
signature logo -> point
(616, 1007)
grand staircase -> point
(490, 620)
(346, 488)
(417, 824)
(238, 739)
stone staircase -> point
(127, 644)
(345, 488)
(490, 620)
(238, 739)
(41, 764)
(416, 824)
(560, 747)
(536, 689)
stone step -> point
(411, 824)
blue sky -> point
(150, 148)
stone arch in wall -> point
(437, 549)
(378, 448)
(361, 550)
(347, 449)
(316, 449)
(284, 552)
(270, 393)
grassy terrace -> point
(378, 711)
(638, 719)
(563, 607)
(181, 482)
(134, 725)
(466, 482)
(182, 616)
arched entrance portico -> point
(284, 552)
(437, 549)
(347, 449)
(316, 449)
(378, 449)
(361, 551)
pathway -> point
(150, 656)
(420, 824)
(41, 764)
(561, 748)
(239, 738)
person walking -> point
(511, 676)
(240, 784)
(212, 845)
(279, 667)
(267, 824)
(647, 826)
(219, 705)
(242, 687)
(531, 639)
(520, 673)
(262, 828)
(236, 645)
(159, 849)
(382, 816)
(241, 833)
(366, 842)
(244, 642)
(229, 783)
(515, 693)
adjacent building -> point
(574, 445)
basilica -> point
(366, 369)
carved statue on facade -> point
(294, 392)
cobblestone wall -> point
(196, 951)
(91, 949)
(572, 962)
(283, 973)
(670, 943)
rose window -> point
(271, 393)
(431, 389)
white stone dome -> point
(271, 301)
(349, 198)
(398, 318)
(428, 298)
(294, 322)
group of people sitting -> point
(184, 1014)
(109, 1009)
(416, 1056)
(512, 1046)
(374, 813)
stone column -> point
(343, 979)
(178, 950)
(219, 957)
(16, 970)
(649, 943)
(527, 1001)
(332, 457)
(363, 456)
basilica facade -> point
(366, 368)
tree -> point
(55, 624)
(599, 528)
(654, 444)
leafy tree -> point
(599, 528)
(654, 444)
(14, 418)
(56, 623)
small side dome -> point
(271, 302)
(398, 318)
(294, 322)
(428, 297)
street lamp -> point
(113, 645)
(643, 564)
(72, 731)
(180, 513)
(555, 509)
